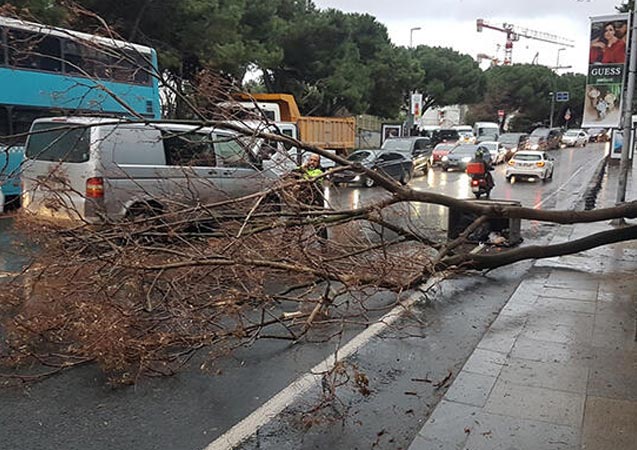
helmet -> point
(479, 153)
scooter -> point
(480, 186)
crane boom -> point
(541, 36)
(514, 33)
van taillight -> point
(95, 187)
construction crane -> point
(514, 33)
(482, 56)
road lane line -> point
(559, 189)
(286, 397)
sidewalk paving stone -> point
(557, 369)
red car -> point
(439, 151)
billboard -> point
(606, 70)
(416, 105)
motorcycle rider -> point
(483, 157)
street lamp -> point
(552, 94)
(411, 36)
(557, 63)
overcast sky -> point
(452, 23)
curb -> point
(595, 184)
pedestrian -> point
(312, 193)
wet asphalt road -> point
(77, 410)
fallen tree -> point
(143, 296)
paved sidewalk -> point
(557, 369)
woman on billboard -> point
(608, 48)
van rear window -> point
(58, 142)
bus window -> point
(22, 118)
(5, 124)
(82, 59)
(3, 47)
(130, 68)
(34, 51)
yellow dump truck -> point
(333, 133)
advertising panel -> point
(416, 105)
(606, 69)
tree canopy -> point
(523, 91)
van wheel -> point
(142, 210)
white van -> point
(486, 131)
(99, 169)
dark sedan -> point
(459, 157)
(396, 165)
(418, 147)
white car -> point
(530, 164)
(575, 138)
(496, 149)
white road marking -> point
(559, 189)
(273, 407)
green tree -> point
(448, 77)
(331, 61)
(523, 91)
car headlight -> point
(466, 159)
(357, 178)
(445, 158)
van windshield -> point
(58, 142)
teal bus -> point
(50, 71)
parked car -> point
(459, 157)
(530, 164)
(598, 135)
(96, 169)
(418, 147)
(496, 150)
(574, 138)
(440, 151)
(448, 135)
(396, 165)
(513, 142)
(551, 139)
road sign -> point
(562, 96)
(567, 115)
(500, 113)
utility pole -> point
(552, 94)
(410, 116)
(627, 114)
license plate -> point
(475, 188)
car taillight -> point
(540, 163)
(511, 162)
(95, 187)
(474, 182)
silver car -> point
(575, 138)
